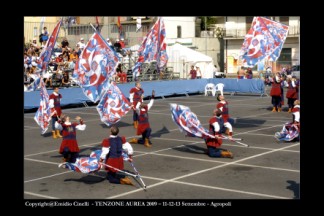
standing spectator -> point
(144, 128)
(55, 105)
(112, 149)
(275, 92)
(292, 92)
(117, 45)
(81, 44)
(122, 43)
(45, 35)
(199, 75)
(192, 73)
(69, 147)
(215, 128)
(136, 96)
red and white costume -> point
(143, 121)
(112, 148)
(223, 106)
(69, 135)
(214, 129)
(136, 95)
(55, 104)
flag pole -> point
(93, 27)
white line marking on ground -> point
(40, 195)
(198, 172)
(31, 180)
(41, 161)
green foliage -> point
(206, 20)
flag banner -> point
(264, 40)
(188, 122)
(43, 114)
(88, 164)
(46, 53)
(119, 26)
(96, 64)
(36, 83)
(153, 48)
(113, 105)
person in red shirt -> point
(144, 128)
(215, 125)
(135, 96)
(193, 72)
(223, 107)
(112, 149)
(292, 92)
(276, 93)
(55, 106)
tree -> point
(206, 20)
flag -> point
(119, 26)
(88, 164)
(43, 114)
(41, 25)
(113, 105)
(138, 24)
(85, 164)
(264, 40)
(188, 122)
(35, 84)
(46, 53)
(97, 24)
(96, 63)
(153, 48)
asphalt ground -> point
(176, 166)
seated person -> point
(66, 80)
(122, 76)
(290, 130)
(56, 80)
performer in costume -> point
(135, 96)
(215, 124)
(291, 130)
(276, 93)
(223, 107)
(55, 105)
(144, 128)
(69, 147)
(112, 149)
(292, 92)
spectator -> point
(198, 72)
(240, 73)
(122, 43)
(66, 80)
(249, 73)
(73, 55)
(109, 43)
(65, 44)
(192, 73)
(117, 45)
(56, 80)
(81, 44)
(44, 35)
(122, 75)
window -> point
(35, 31)
(178, 31)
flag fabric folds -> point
(85, 164)
(96, 64)
(46, 53)
(113, 105)
(153, 48)
(138, 24)
(88, 164)
(43, 114)
(264, 40)
(188, 122)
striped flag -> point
(119, 26)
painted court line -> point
(198, 172)
(50, 176)
(39, 195)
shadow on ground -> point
(247, 122)
(158, 133)
(294, 186)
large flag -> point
(97, 62)
(44, 57)
(85, 164)
(153, 48)
(88, 164)
(188, 122)
(46, 53)
(43, 114)
(113, 105)
(264, 40)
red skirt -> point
(115, 162)
(71, 144)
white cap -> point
(107, 39)
(81, 39)
(122, 39)
(34, 64)
(117, 39)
